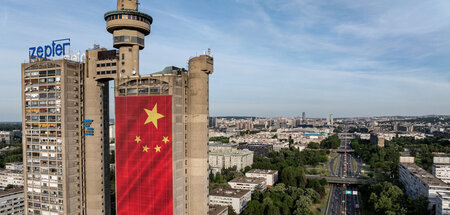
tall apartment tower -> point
(66, 124)
(52, 143)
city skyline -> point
(276, 58)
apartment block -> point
(246, 183)
(236, 198)
(228, 159)
(271, 176)
(441, 168)
(418, 182)
(12, 201)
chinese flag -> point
(144, 155)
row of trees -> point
(380, 159)
(331, 142)
(282, 200)
(10, 156)
(294, 194)
(290, 157)
(386, 198)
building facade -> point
(236, 198)
(247, 183)
(66, 121)
(12, 201)
(441, 168)
(443, 203)
(271, 176)
(228, 159)
(11, 177)
(419, 182)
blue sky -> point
(272, 57)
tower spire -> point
(129, 28)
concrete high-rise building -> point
(304, 117)
(66, 121)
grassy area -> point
(320, 209)
(336, 161)
(354, 164)
(333, 154)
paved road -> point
(339, 200)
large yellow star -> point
(165, 139)
(138, 139)
(153, 116)
(158, 148)
(145, 148)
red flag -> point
(144, 155)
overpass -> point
(343, 150)
(339, 180)
(346, 135)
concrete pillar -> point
(197, 132)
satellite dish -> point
(133, 72)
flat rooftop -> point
(11, 191)
(248, 180)
(234, 152)
(229, 192)
(263, 171)
(217, 209)
(423, 175)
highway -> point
(342, 199)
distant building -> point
(441, 168)
(212, 122)
(12, 201)
(5, 137)
(443, 203)
(258, 149)
(18, 166)
(10, 177)
(238, 199)
(271, 176)
(418, 182)
(238, 158)
(304, 118)
(248, 183)
(218, 210)
(278, 146)
(376, 140)
(221, 147)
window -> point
(113, 64)
(155, 90)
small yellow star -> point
(145, 148)
(158, 148)
(153, 116)
(138, 139)
(165, 139)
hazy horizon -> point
(272, 58)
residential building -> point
(18, 166)
(221, 147)
(11, 177)
(258, 149)
(236, 198)
(228, 159)
(5, 137)
(443, 203)
(441, 168)
(376, 140)
(248, 183)
(12, 201)
(418, 182)
(271, 176)
(218, 210)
